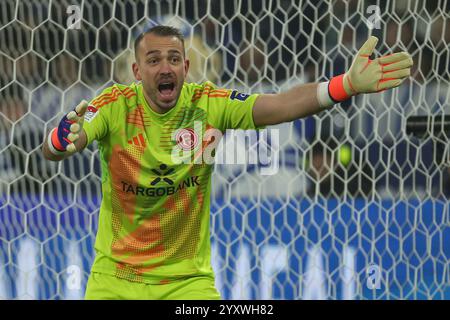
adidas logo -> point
(138, 140)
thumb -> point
(367, 48)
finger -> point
(402, 64)
(81, 108)
(395, 57)
(367, 48)
(72, 136)
(71, 148)
(72, 116)
(397, 74)
(75, 127)
(389, 84)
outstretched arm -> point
(69, 137)
(364, 76)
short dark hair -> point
(163, 31)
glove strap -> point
(54, 145)
(332, 92)
(336, 89)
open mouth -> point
(166, 89)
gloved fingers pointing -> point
(397, 74)
(389, 83)
(395, 57)
(402, 64)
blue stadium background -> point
(408, 240)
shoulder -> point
(205, 90)
(116, 94)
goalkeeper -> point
(153, 236)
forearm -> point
(298, 102)
(364, 76)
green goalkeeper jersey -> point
(154, 216)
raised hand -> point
(63, 137)
(366, 75)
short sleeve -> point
(96, 120)
(230, 109)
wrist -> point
(340, 88)
(54, 145)
(323, 96)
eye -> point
(152, 61)
(175, 59)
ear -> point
(136, 72)
(186, 66)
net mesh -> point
(357, 210)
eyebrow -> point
(159, 51)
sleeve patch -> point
(238, 96)
(91, 113)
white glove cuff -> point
(323, 96)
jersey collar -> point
(161, 117)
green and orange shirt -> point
(154, 215)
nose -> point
(165, 67)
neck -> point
(153, 105)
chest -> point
(153, 144)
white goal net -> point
(357, 208)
